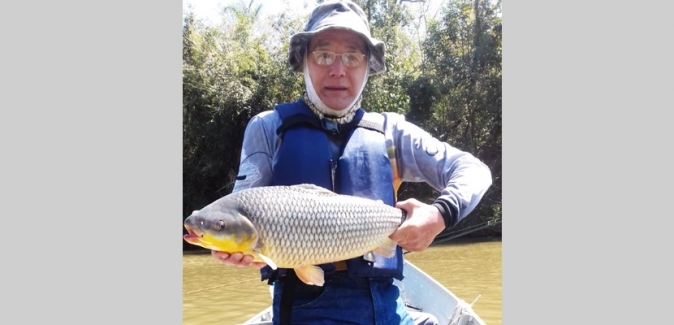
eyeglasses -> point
(350, 60)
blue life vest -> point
(362, 169)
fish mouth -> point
(198, 237)
(191, 236)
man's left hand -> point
(423, 223)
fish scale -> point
(309, 215)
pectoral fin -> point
(388, 249)
(310, 274)
(268, 261)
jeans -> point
(344, 300)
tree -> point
(228, 77)
(463, 51)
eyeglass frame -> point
(363, 58)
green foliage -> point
(385, 92)
(228, 77)
(462, 75)
(448, 83)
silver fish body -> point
(301, 225)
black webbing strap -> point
(298, 119)
(327, 125)
(289, 282)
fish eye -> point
(220, 225)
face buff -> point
(323, 111)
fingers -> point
(408, 205)
(411, 238)
(400, 234)
(246, 260)
(407, 229)
(423, 223)
(259, 265)
(220, 255)
(236, 259)
(417, 245)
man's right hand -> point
(237, 259)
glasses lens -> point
(352, 60)
(324, 57)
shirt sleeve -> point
(460, 177)
(257, 150)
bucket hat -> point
(341, 14)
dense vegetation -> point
(444, 74)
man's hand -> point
(237, 259)
(423, 223)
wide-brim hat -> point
(341, 14)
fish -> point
(295, 227)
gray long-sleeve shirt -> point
(461, 178)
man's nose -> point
(337, 68)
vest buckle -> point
(330, 126)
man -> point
(326, 139)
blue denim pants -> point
(344, 300)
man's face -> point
(336, 84)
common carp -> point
(295, 227)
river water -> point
(214, 293)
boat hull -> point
(420, 292)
